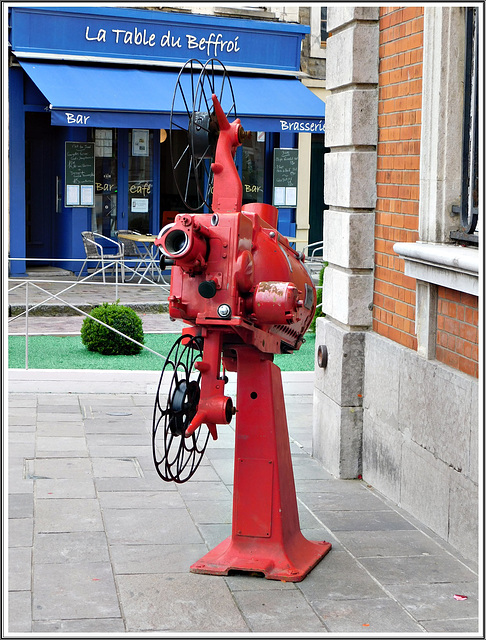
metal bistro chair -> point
(95, 253)
(130, 251)
(314, 259)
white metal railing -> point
(33, 284)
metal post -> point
(26, 325)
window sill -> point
(442, 264)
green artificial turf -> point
(68, 352)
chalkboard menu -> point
(285, 173)
(80, 174)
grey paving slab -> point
(209, 473)
(19, 451)
(20, 532)
(56, 400)
(179, 603)
(21, 438)
(413, 542)
(56, 429)
(74, 468)
(359, 500)
(274, 611)
(418, 570)
(73, 547)
(20, 611)
(22, 428)
(140, 500)
(339, 577)
(213, 534)
(19, 568)
(87, 625)
(216, 453)
(121, 451)
(68, 514)
(210, 511)
(22, 420)
(364, 520)
(308, 469)
(102, 425)
(144, 526)
(366, 616)
(200, 490)
(52, 488)
(72, 407)
(436, 601)
(155, 558)
(113, 439)
(145, 483)
(465, 625)
(61, 444)
(223, 470)
(21, 505)
(23, 400)
(116, 467)
(74, 591)
(62, 417)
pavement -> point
(99, 544)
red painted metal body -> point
(240, 285)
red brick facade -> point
(457, 330)
(397, 205)
(398, 164)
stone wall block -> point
(463, 518)
(350, 179)
(435, 404)
(382, 381)
(348, 297)
(352, 56)
(342, 379)
(342, 14)
(349, 239)
(337, 436)
(382, 454)
(425, 488)
(472, 471)
(352, 118)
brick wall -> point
(457, 330)
(399, 118)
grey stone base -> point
(420, 430)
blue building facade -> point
(91, 90)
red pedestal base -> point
(266, 536)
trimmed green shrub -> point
(318, 313)
(97, 337)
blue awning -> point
(128, 97)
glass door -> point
(104, 213)
(124, 185)
(140, 179)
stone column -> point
(350, 192)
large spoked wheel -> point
(193, 114)
(176, 456)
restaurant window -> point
(324, 33)
(140, 179)
(468, 209)
(252, 170)
(106, 182)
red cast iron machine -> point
(245, 295)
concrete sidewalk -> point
(98, 543)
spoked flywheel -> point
(176, 456)
(193, 114)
